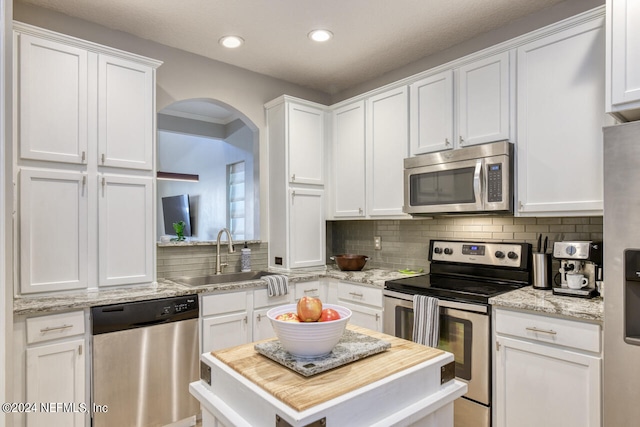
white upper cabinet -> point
(462, 106)
(53, 107)
(125, 226)
(53, 230)
(432, 113)
(560, 119)
(349, 160)
(85, 163)
(125, 113)
(623, 59)
(387, 146)
(305, 144)
(483, 100)
(297, 209)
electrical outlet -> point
(376, 243)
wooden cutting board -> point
(302, 393)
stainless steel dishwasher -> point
(145, 354)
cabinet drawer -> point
(564, 332)
(55, 326)
(360, 294)
(310, 289)
(223, 303)
(261, 298)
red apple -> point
(329, 314)
(288, 317)
(309, 309)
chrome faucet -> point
(219, 265)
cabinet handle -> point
(259, 317)
(84, 156)
(520, 205)
(446, 142)
(310, 290)
(360, 211)
(356, 294)
(84, 180)
(461, 140)
(542, 331)
(246, 320)
(377, 317)
(293, 177)
(80, 350)
(102, 157)
(55, 328)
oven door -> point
(464, 331)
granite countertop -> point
(165, 288)
(544, 301)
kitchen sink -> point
(220, 278)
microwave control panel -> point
(494, 182)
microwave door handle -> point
(477, 185)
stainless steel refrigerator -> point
(622, 275)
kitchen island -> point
(408, 384)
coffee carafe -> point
(580, 272)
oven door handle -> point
(476, 308)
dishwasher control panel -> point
(186, 304)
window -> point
(236, 200)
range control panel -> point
(498, 254)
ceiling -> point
(371, 37)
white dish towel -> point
(426, 320)
(277, 284)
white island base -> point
(400, 387)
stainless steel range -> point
(463, 276)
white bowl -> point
(309, 339)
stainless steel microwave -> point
(476, 179)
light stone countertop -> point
(544, 301)
(62, 301)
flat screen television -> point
(175, 209)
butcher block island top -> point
(406, 382)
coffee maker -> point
(578, 257)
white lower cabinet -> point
(262, 303)
(547, 371)
(225, 321)
(51, 370)
(365, 303)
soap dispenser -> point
(245, 258)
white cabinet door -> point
(307, 230)
(53, 100)
(227, 330)
(483, 100)
(349, 161)
(387, 147)
(305, 144)
(56, 373)
(366, 317)
(125, 230)
(539, 385)
(560, 119)
(53, 230)
(432, 113)
(125, 113)
(262, 328)
(623, 53)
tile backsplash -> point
(200, 259)
(405, 243)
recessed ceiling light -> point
(320, 35)
(231, 41)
